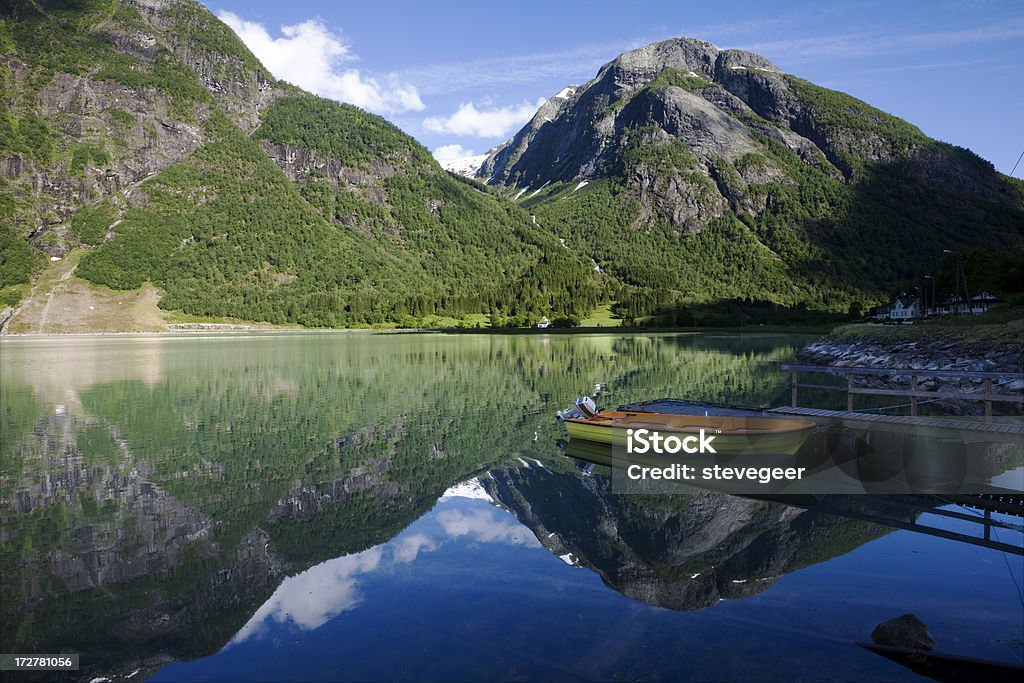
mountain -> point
(680, 552)
(693, 174)
(146, 155)
(148, 159)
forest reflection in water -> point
(167, 498)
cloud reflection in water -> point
(313, 597)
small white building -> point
(902, 309)
(544, 323)
(956, 305)
(952, 305)
(984, 301)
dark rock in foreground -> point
(905, 631)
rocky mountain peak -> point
(577, 128)
(679, 136)
(691, 56)
(638, 67)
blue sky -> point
(471, 73)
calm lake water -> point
(398, 507)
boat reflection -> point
(836, 458)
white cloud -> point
(309, 55)
(496, 122)
(311, 598)
(407, 548)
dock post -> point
(849, 392)
(792, 394)
(988, 404)
(913, 399)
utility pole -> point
(957, 301)
(959, 276)
(963, 276)
(935, 305)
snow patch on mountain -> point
(458, 159)
(471, 488)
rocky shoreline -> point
(917, 351)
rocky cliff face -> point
(118, 116)
(723, 105)
(152, 141)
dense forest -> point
(321, 254)
(373, 232)
(153, 147)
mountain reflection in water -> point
(289, 508)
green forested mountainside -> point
(484, 252)
(147, 139)
(712, 175)
(819, 242)
(240, 243)
(370, 230)
(76, 38)
(256, 249)
(340, 131)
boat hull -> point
(731, 435)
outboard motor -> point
(586, 406)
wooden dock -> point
(938, 427)
(988, 395)
(922, 514)
(902, 511)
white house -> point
(903, 308)
(544, 323)
(975, 305)
(984, 301)
(951, 305)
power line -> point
(1018, 161)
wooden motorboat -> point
(732, 435)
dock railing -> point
(914, 393)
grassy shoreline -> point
(1003, 332)
(242, 329)
(996, 333)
